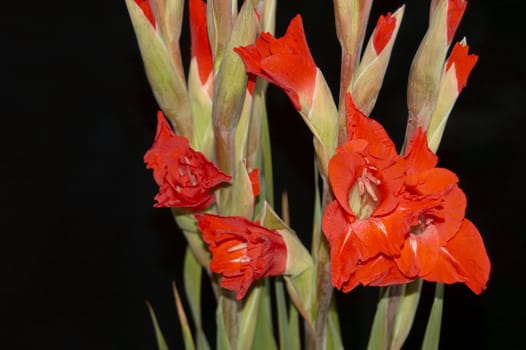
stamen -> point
(361, 187)
(242, 259)
(193, 179)
(370, 191)
(237, 247)
(372, 178)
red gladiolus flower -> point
(185, 177)
(462, 62)
(426, 236)
(383, 32)
(199, 34)
(147, 10)
(242, 251)
(365, 174)
(441, 245)
(285, 62)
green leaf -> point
(405, 315)
(334, 337)
(267, 162)
(394, 316)
(161, 343)
(222, 342)
(192, 272)
(185, 327)
(432, 335)
(248, 317)
(377, 336)
(264, 335)
(316, 226)
(281, 307)
(294, 328)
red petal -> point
(254, 181)
(147, 10)
(418, 155)
(199, 34)
(451, 214)
(455, 11)
(342, 168)
(462, 62)
(381, 235)
(359, 126)
(383, 32)
(378, 271)
(285, 62)
(464, 259)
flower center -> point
(423, 223)
(186, 174)
(363, 197)
(244, 258)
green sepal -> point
(230, 84)
(321, 117)
(168, 16)
(238, 198)
(369, 76)
(447, 96)
(242, 129)
(298, 257)
(426, 71)
(220, 16)
(169, 88)
(188, 226)
(201, 102)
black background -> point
(82, 247)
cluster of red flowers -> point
(395, 218)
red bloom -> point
(147, 10)
(383, 32)
(200, 44)
(441, 245)
(462, 62)
(285, 62)
(425, 237)
(365, 174)
(242, 251)
(185, 177)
